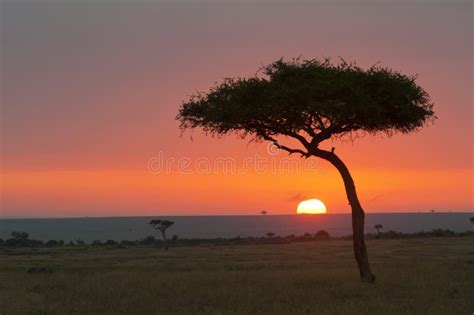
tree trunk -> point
(360, 251)
(165, 240)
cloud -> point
(297, 197)
(377, 196)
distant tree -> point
(19, 239)
(270, 235)
(174, 238)
(20, 236)
(263, 212)
(2, 242)
(80, 242)
(162, 226)
(322, 235)
(311, 101)
(471, 219)
(378, 227)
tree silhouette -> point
(20, 236)
(322, 235)
(162, 226)
(270, 235)
(471, 219)
(309, 102)
(378, 227)
(19, 239)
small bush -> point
(441, 232)
(149, 240)
(52, 243)
(391, 234)
(322, 235)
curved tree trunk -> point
(358, 215)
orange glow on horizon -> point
(134, 192)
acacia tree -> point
(311, 101)
(162, 226)
(378, 227)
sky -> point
(90, 90)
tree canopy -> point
(310, 98)
(161, 225)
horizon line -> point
(225, 215)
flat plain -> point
(414, 276)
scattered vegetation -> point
(416, 276)
(23, 240)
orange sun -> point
(311, 206)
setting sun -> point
(311, 206)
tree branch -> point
(285, 148)
(300, 138)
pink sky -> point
(91, 89)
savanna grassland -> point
(414, 276)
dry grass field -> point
(414, 276)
